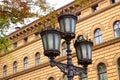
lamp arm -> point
(61, 66)
(64, 68)
(79, 70)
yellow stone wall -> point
(104, 19)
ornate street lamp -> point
(51, 42)
(67, 25)
(83, 51)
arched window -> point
(117, 29)
(102, 72)
(4, 71)
(37, 58)
(25, 63)
(83, 76)
(65, 77)
(98, 36)
(51, 78)
(118, 63)
(15, 67)
(64, 48)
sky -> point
(59, 3)
(56, 3)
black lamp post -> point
(51, 42)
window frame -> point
(116, 24)
(15, 67)
(103, 73)
(26, 40)
(25, 63)
(37, 59)
(118, 62)
(5, 71)
(64, 48)
(51, 78)
(95, 8)
(98, 36)
(83, 76)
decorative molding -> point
(111, 23)
(94, 27)
(107, 43)
(98, 61)
(117, 56)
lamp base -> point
(51, 53)
(68, 36)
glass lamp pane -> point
(57, 41)
(44, 42)
(62, 25)
(78, 53)
(83, 47)
(50, 41)
(89, 51)
(67, 24)
(73, 24)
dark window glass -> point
(114, 1)
(83, 76)
(25, 63)
(51, 78)
(25, 40)
(98, 36)
(79, 16)
(118, 66)
(37, 35)
(117, 29)
(95, 8)
(37, 58)
(15, 45)
(102, 72)
(15, 67)
(64, 48)
(5, 71)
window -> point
(15, 67)
(65, 77)
(98, 36)
(37, 58)
(79, 16)
(25, 63)
(25, 40)
(5, 71)
(114, 1)
(95, 8)
(51, 78)
(15, 45)
(117, 29)
(80, 37)
(118, 63)
(83, 76)
(102, 72)
(64, 48)
(37, 35)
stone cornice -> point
(33, 27)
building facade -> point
(100, 21)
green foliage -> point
(83, 2)
(4, 44)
